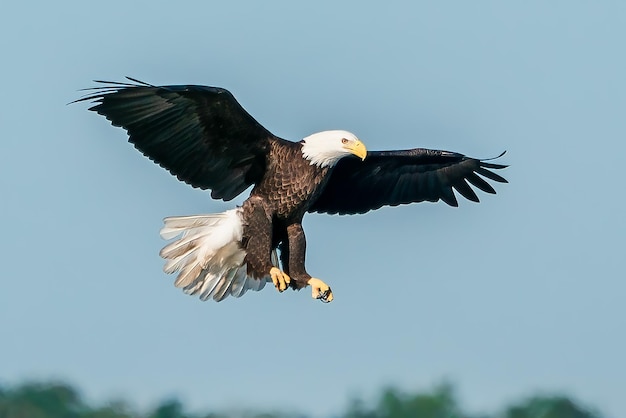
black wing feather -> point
(400, 177)
(200, 134)
(490, 174)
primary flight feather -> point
(204, 137)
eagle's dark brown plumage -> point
(204, 137)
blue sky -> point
(521, 293)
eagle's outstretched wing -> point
(200, 134)
(399, 177)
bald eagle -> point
(204, 137)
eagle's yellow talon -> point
(320, 290)
(280, 279)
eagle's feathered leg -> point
(296, 259)
(257, 239)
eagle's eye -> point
(344, 141)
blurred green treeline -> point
(60, 400)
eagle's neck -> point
(320, 155)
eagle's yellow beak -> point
(357, 148)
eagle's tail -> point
(208, 255)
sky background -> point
(519, 294)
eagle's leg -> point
(296, 256)
(257, 238)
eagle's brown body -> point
(291, 183)
(203, 136)
(273, 213)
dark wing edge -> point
(391, 178)
(200, 134)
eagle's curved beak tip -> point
(359, 150)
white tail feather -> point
(208, 255)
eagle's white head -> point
(326, 148)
